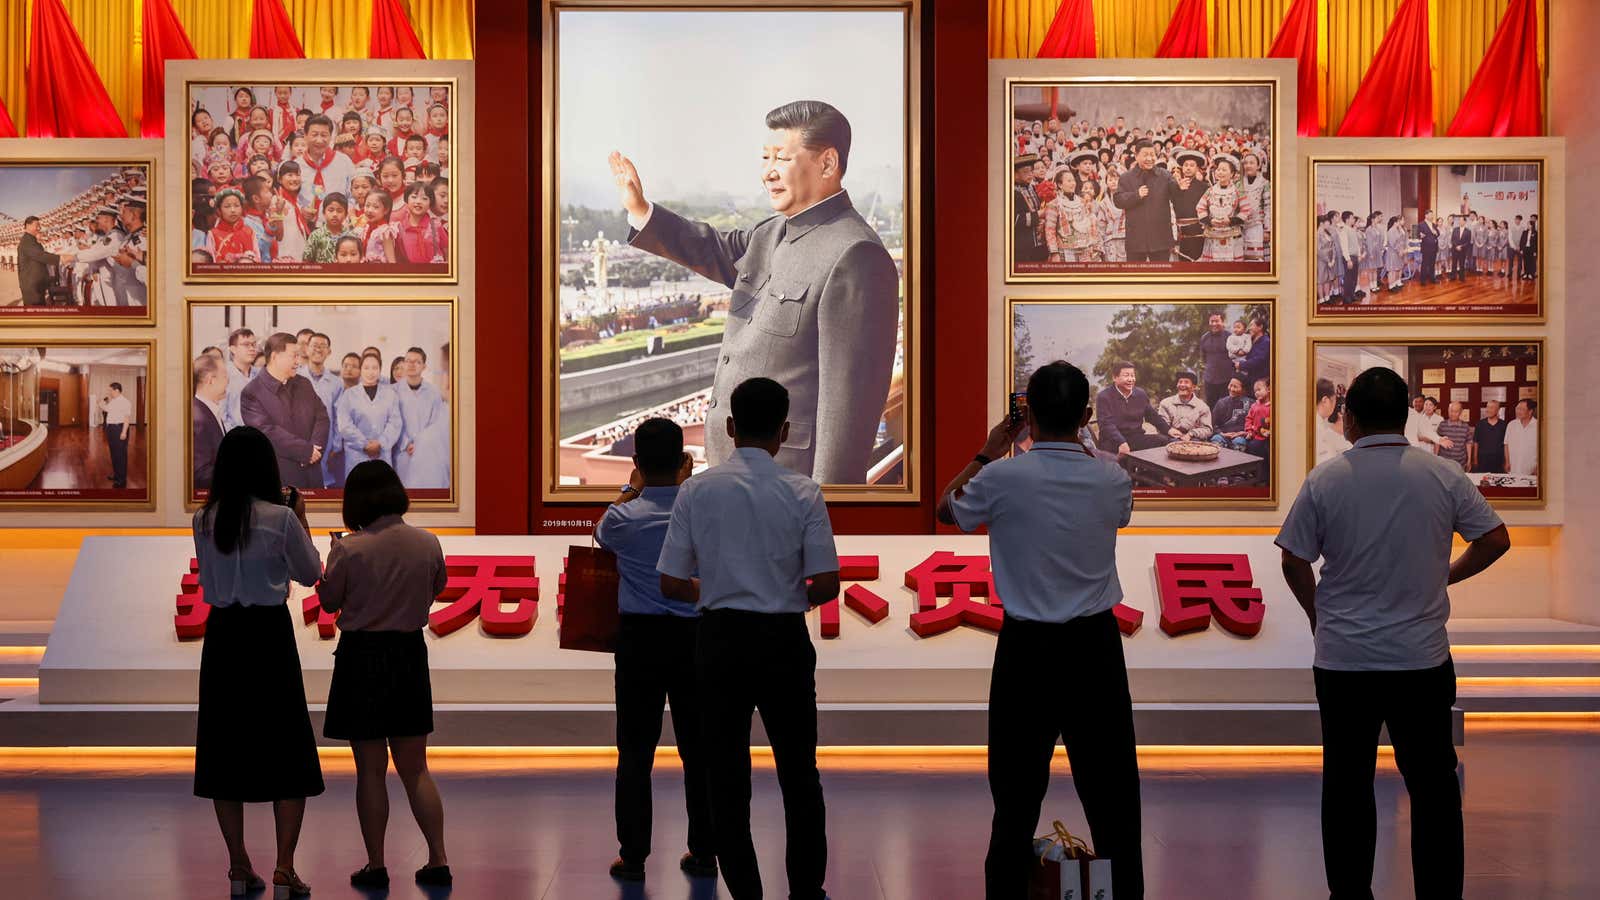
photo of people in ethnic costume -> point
(75, 241)
(1447, 239)
(320, 179)
(1477, 405)
(1180, 393)
(1145, 178)
(331, 386)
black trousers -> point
(1352, 276)
(1028, 709)
(751, 661)
(119, 454)
(1416, 707)
(1430, 257)
(1530, 262)
(1458, 265)
(1149, 255)
(655, 663)
(1215, 392)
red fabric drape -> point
(1396, 95)
(1297, 39)
(65, 95)
(1071, 34)
(164, 39)
(392, 35)
(8, 129)
(1504, 97)
(1186, 33)
(272, 34)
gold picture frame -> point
(1275, 166)
(909, 489)
(152, 405)
(1274, 457)
(450, 504)
(1314, 343)
(452, 275)
(83, 156)
(1392, 315)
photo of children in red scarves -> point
(282, 175)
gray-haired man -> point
(815, 303)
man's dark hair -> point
(372, 491)
(354, 356)
(1325, 389)
(116, 386)
(418, 351)
(1188, 375)
(658, 447)
(318, 334)
(1118, 366)
(1058, 393)
(277, 343)
(234, 335)
(29, 221)
(319, 119)
(1142, 143)
(1378, 399)
(760, 407)
(1533, 405)
(304, 332)
(820, 126)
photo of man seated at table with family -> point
(1181, 393)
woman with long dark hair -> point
(253, 741)
(382, 579)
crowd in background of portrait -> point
(1146, 178)
(74, 239)
(331, 386)
(331, 178)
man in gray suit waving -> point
(815, 303)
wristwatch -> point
(629, 489)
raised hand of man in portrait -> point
(629, 189)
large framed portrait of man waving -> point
(1140, 178)
(763, 227)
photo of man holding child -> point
(333, 179)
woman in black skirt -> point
(253, 742)
(382, 580)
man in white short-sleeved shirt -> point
(759, 538)
(1053, 515)
(1380, 516)
(1522, 441)
(119, 420)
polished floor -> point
(78, 458)
(1476, 289)
(1240, 827)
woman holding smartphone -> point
(382, 580)
(253, 741)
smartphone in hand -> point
(291, 496)
(336, 535)
(1019, 406)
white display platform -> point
(116, 673)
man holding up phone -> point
(1053, 515)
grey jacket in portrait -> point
(815, 307)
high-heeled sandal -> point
(286, 884)
(243, 880)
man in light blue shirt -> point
(242, 354)
(1380, 517)
(654, 655)
(326, 382)
(758, 535)
(1053, 515)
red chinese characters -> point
(479, 587)
(192, 608)
(960, 578)
(1192, 587)
(862, 601)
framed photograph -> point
(77, 420)
(78, 241)
(361, 379)
(1141, 179)
(1477, 424)
(1181, 391)
(320, 181)
(1449, 239)
(773, 236)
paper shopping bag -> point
(1098, 886)
(589, 619)
(1062, 869)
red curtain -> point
(272, 34)
(65, 95)
(1504, 97)
(1396, 95)
(1297, 39)
(392, 35)
(164, 39)
(1186, 33)
(1071, 34)
(8, 129)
